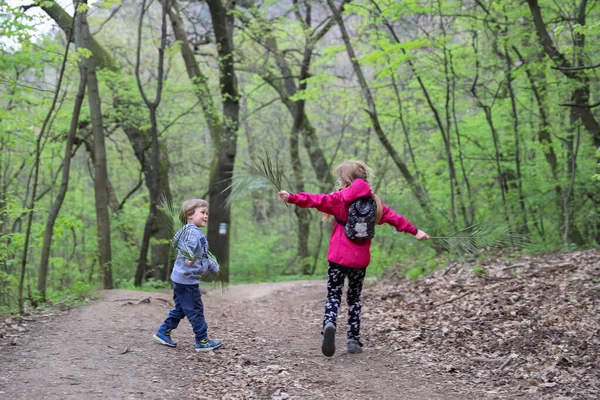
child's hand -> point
(284, 196)
(421, 235)
(189, 262)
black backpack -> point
(362, 218)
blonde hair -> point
(348, 171)
(189, 207)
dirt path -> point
(271, 350)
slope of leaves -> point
(529, 325)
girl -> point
(347, 257)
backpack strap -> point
(373, 196)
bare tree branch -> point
(112, 14)
(131, 192)
(580, 105)
(584, 67)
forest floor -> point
(525, 329)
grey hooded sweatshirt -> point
(191, 243)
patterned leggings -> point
(335, 284)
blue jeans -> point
(188, 303)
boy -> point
(191, 264)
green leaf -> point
(174, 49)
(558, 30)
(83, 52)
(266, 172)
(107, 3)
(83, 8)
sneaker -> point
(163, 336)
(328, 346)
(354, 346)
(208, 345)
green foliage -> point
(431, 87)
(107, 3)
(261, 258)
(150, 285)
(15, 26)
(478, 270)
(579, 29)
(256, 176)
(415, 273)
(78, 293)
(174, 49)
(81, 54)
(83, 8)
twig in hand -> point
(174, 224)
(479, 236)
(451, 300)
(392, 295)
(266, 172)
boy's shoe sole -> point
(159, 340)
(204, 349)
(328, 347)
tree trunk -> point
(197, 78)
(261, 208)
(544, 133)
(285, 85)
(220, 185)
(221, 162)
(62, 191)
(509, 65)
(490, 120)
(581, 98)
(403, 124)
(545, 138)
(100, 169)
(471, 215)
(115, 206)
(302, 214)
(138, 138)
(36, 171)
(417, 190)
(154, 173)
(444, 129)
(571, 235)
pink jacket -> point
(343, 251)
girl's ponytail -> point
(379, 211)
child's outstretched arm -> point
(328, 203)
(388, 216)
(323, 202)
